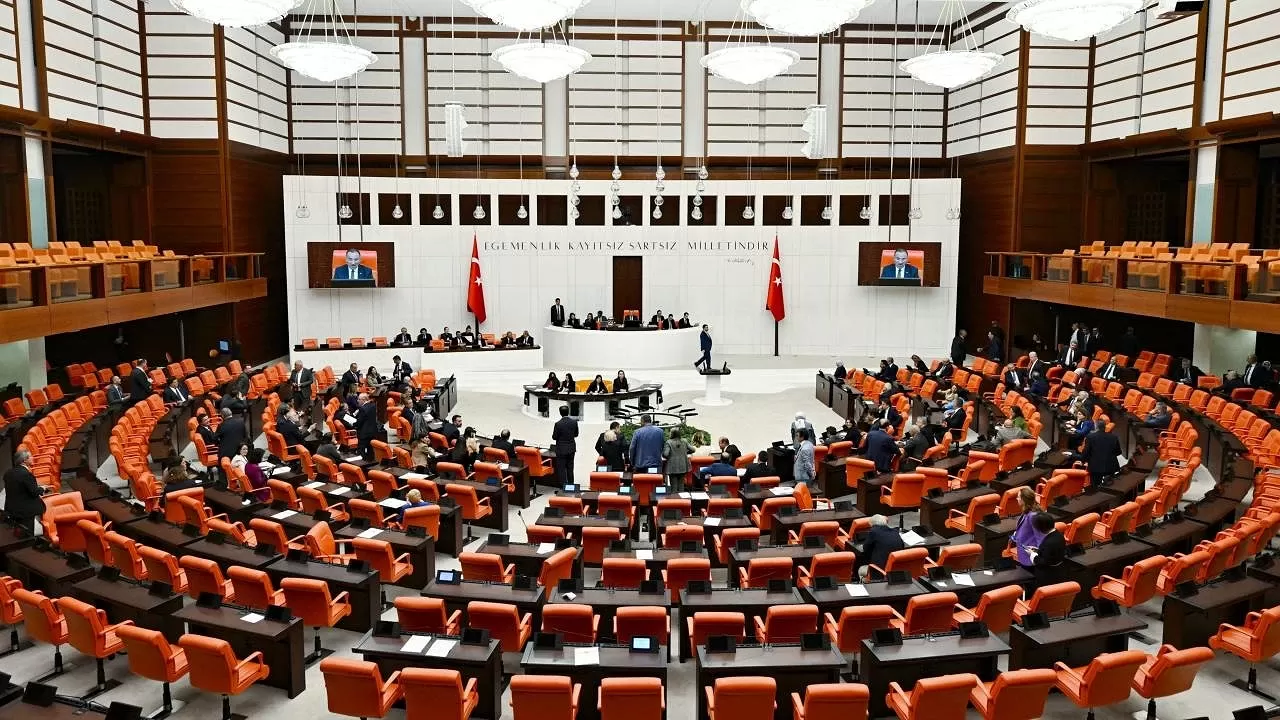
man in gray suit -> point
(800, 423)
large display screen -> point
(899, 264)
(351, 265)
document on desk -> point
(393, 503)
(441, 648)
(369, 534)
(284, 514)
(416, 644)
(855, 590)
(546, 548)
(742, 471)
(699, 496)
(963, 579)
(414, 476)
(644, 554)
(253, 618)
(783, 490)
(282, 470)
(504, 466)
(586, 656)
(711, 522)
(340, 491)
(313, 485)
(685, 495)
(353, 458)
(911, 538)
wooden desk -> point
(791, 668)
(1091, 501)
(606, 601)
(280, 643)
(498, 499)
(573, 524)
(158, 534)
(878, 593)
(457, 596)
(114, 511)
(847, 402)
(1101, 559)
(228, 554)
(799, 555)
(122, 600)
(1074, 641)
(868, 495)
(983, 581)
(232, 504)
(1191, 621)
(656, 557)
(935, 511)
(1021, 477)
(46, 570)
(364, 588)
(9, 541)
(822, 388)
(783, 524)
(994, 538)
(526, 557)
(751, 602)
(422, 553)
(480, 662)
(615, 661)
(919, 657)
(1215, 512)
(931, 542)
(299, 523)
(709, 530)
(1178, 536)
(831, 478)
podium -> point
(711, 395)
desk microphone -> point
(525, 524)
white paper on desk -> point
(546, 548)
(963, 579)
(264, 465)
(644, 554)
(414, 476)
(742, 471)
(313, 485)
(699, 496)
(855, 590)
(369, 534)
(416, 644)
(393, 503)
(441, 648)
(353, 458)
(253, 618)
(608, 493)
(284, 514)
(911, 537)
(685, 495)
(711, 522)
(782, 490)
(586, 656)
(504, 466)
(340, 491)
(282, 470)
(989, 573)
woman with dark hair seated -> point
(597, 386)
(552, 383)
(257, 479)
(620, 382)
(568, 384)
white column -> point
(413, 85)
(1210, 98)
(1218, 349)
(22, 362)
(695, 94)
(831, 64)
(33, 148)
(555, 120)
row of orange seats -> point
(46, 439)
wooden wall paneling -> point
(427, 207)
(987, 209)
(509, 208)
(387, 206)
(811, 207)
(261, 325)
(553, 210)
(186, 197)
(1052, 199)
(1236, 194)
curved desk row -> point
(447, 362)
(593, 408)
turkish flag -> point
(475, 286)
(774, 302)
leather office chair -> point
(708, 624)
(485, 567)
(382, 484)
(125, 555)
(623, 572)
(422, 614)
(904, 491)
(827, 531)
(831, 701)
(959, 558)
(44, 623)
(1080, 530)
(577, 623)
(437, 694)
(472, 507)
(1104, 681)
(95, 542)
(759, 571)
(370, 512)
(1052, 600)
(681, 571)
(856, 468)
(786, 623)
(89, 632)
(544, 533)
(213, 667)
(742, 698)
(309, 600)
(595, 540)
(151, 656)
(544, 697)
(931, 613)
(323, 546)
(378, 555)
(642, 621)
(163, 567)
(1169, 672)
(557, 567)
(1255, 642)
(503, 622)
(426, 517)
(253, 588)
(913, 561)
(627, 698)
(236, 532)
(979, 507)
(676, 535)
(355, 688)
(11, 613)
(269, 532)
(1137, 584)
(204, 576)
(763, 516)
(933, 698)
(1180, 569)
(727, 540)
(995, 609)
(857, 623)
(313, 501)
(838, 565)
(567, 504)
(1116, 520)
(1014, 694)
(61, 513)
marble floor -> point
(766, 392)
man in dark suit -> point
(353, 270)
(115, 391)
(525, 340)
(1037, 374)
(234, 402)
(300, 380)
(881, 540)
(205, 429)
(22, 502)
(722, 467)
(685, 322)
(564, 441)
(958, 351)
(400, 372)
(446, 337)
(366, 425)
(1186, 373)
(139, 381)
(1109, 371)
(350, 379)
(452, 430)
(704, 343)
(231, 435)
(881, 449)
(670, 323)
(1093, 343)
(1101, 454)
(1015, 378)
(1256, 374)
(729, 449)
(1159, 417)
(900, 269)
(175, 394)
(1079, 334)
(1048, 557)
(502, 441)
(1070, 356)
(287, 426)
(404, 339)
(557, 314)
(758, 469)
(888, 413)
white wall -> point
(827, 313)
(257, 86)
(93, 56)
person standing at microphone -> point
(704, 342)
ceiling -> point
(880, 12)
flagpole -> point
(775, 338)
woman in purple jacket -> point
(1026, 536)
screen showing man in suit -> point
(901, 264)
(355, 265)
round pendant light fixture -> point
(749, 63)
(950, 67)
(236, 13)
(1072, 20)
(526, 15)
(804, 17)
(541, 62)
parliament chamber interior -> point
(914, 359)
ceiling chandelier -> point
(541, 61)
(236, 13)
(748, 63)
(1072, 20)
(950, 68)
(526, 15)
(327, 54)
(804, 17)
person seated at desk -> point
(729, 449)
(1186, 373)
(568, 385)
(257, 478)
(424, 338)
(1078, 428)
(597, 386)
(115, 391)
(574, 322)
(1008, 432)
(178, 475)
(1048, 556)
(421, 454)
(685, 322)
(848, 431)
(1231, 381)
(525, 340)
(620, 383)
(403, 338)
(207, 434)
(1080, 403)
(1015, 378)
(888, 372)
(373, 377)
(885, 411)
(502, 441)
(467, 338)
(840, 374)
(289, 425)
(452, 430)
(414, 500)
(758, 469)
(610, 447)
(447, 338)
(589, 322)
(880, 447)
(1159, 417)
(657, 321)
(552, 382)
(918, 365)
(722, 467)
(466, 452)
(1070, 356)
(944, 372)
(917, 441)
(646, 446)
(234, 402)
(1109, 370)
(1101, 453)
(175, 394)
(881, 540)
(508, 340)
(328, 449)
